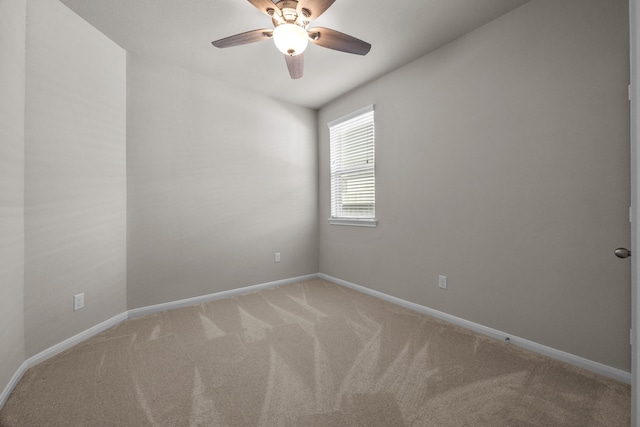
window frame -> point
(365, 221)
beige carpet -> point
(308, 354)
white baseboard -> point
(74, 340)
(137, 312)
(590, 365)
(56, 349)
(12, 383)
(599, 368)
(144, 311)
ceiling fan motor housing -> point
(289, 13)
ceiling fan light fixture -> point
(290, 39)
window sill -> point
(354, 222)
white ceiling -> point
(180, 32)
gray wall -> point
(503, 162)
(218, 181)
(12, 66)
(75, 175)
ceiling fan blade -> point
(244, 38)
(336, 40)
(265, 6)
(314, 7)
(295, 64)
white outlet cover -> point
(442, 282)
(78, 301)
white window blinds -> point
(352, 159)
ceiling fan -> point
(290, 34)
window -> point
(352, 159)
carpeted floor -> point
(307, 354)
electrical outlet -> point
(78, 301)
(442, 282)
(277, 256)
